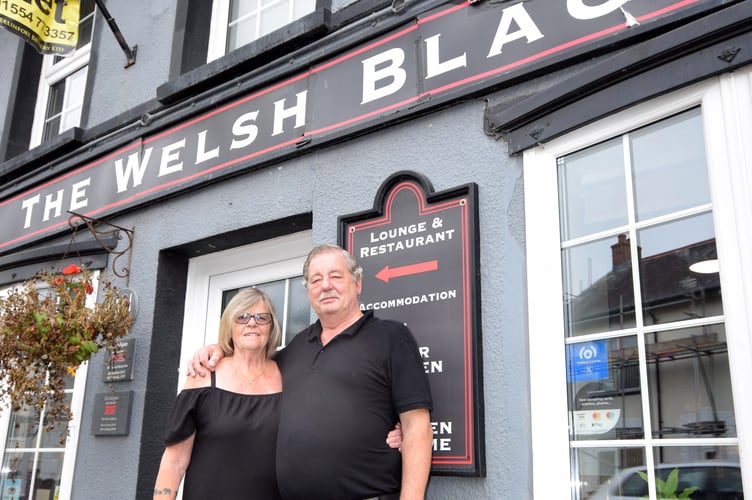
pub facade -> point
(554, 197)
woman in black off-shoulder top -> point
(222, 434)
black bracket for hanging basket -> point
(100, 230)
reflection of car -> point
(715, 480)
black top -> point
(236, 438)
(339, 403)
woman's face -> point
(252, 335)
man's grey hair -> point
(352, 265)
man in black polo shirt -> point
(347, 379)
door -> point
(274, 266)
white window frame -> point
(74, 425)
(218, 30)
(219, 25)
(726, 104)
(210, 275)
(52, 73)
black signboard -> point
(419, 253)
(120, 365)
(112, 413)
(455, 50)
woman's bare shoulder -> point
(197, 381)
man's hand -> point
(394, 438)
(206, 357)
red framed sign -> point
(419, 253)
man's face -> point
(332, 291)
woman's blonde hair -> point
(241, 302)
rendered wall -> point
(449, 147)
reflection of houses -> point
(670, 291)
(669, 287)
(692, 383)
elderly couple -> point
(348, 380)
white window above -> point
(235, 23)
(62, 84)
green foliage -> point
(667, 488)
(46, 335)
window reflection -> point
(599, 287)
(302, 7)
(248, 20)
(605, 472)
(241, 32)
(47, 480)
(24, 427)
(298, 311)
(690, 384)
(669, 455)
(701, 473)
(55, 438)
(592, 190)
(290, 300)
(273, 18)
(670, 290)
(16, 474)
(85, 23)
(598, 278)
(668, 161)
(710, 472)
(27, 472)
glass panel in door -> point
(290, 301)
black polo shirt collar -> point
(314, 333)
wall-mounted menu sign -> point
(112, 413)
(120, 365)
(419, 254)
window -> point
(649, 349)
(37, 463)
(274, 266)
(238, 22)
(62, 84)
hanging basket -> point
(47, 331)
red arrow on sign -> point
(421, 267)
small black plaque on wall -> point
(120, 365)
(112, 413)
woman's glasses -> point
(259, 318)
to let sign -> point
(419, 255)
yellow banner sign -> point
(51, 26)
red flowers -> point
(71, 269)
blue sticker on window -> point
(588, 361)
